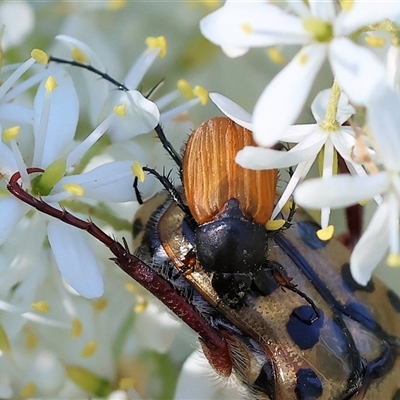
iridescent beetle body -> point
(350, 351)
(278, 349)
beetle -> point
(278, 347)
(289, 324)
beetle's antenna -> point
(133, 266)
(120, 86)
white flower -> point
(340, 191)
(310, 140)
(322, 31)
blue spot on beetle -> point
(304, 333)
(308, 385)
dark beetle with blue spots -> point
(317, 335)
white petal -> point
(74, 44)
(384, 120)
(109, 182)
(232, 110)
(262, 158)
(324, 10)
(299, 174)
(339, 191)
(75, 259)
(11, 211)
(16, 113)
(8, 164)
(283, 99)
(297, 133)
(142, 116)
(320, 105)
(62, 122)
(363, 13)
(356, 68)
(344, 142)
(140, 68)
(267, 25)
(372, 246)
(156, 328)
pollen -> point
(274, 225)
(393, 260)
(116, 4)
(79, 56)
(89, 349)
(375, 41)
(77, 328)
(157, 43)
(247, 29)
(50, 84)
(276, 56)
(346, 5)
(74, 188)
(130, 287)
(137, 171)
(31, 339)
(202, 94)
(40, 56)
(10, 133)
(326, 234)
(100, 304)
(185, 88)
(303, 58)
(126, 383)
(28, 390)
(41, 306)
(120, 110)
(140, 307)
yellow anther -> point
(140, 307)
(303, 58)
(40, 56)
(276, 56)
(157, 43)
(274, 225)
(201, 93)
(28, 390)
(10, 133)
(375, 41)
(41, 306)
(74, 188)
(185, 88)
(346, 5)
(77, 328)
(126, 383)
(100, 304)
(89, 349)
(79, 56)
(326, 233)
(137, 171)
(116, 4)
(31, 339)
(130, 287)
(247, 29)
(50, 84)
(120, 110)
(393, 260)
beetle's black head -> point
(231, 243)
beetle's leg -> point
(285, 281)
